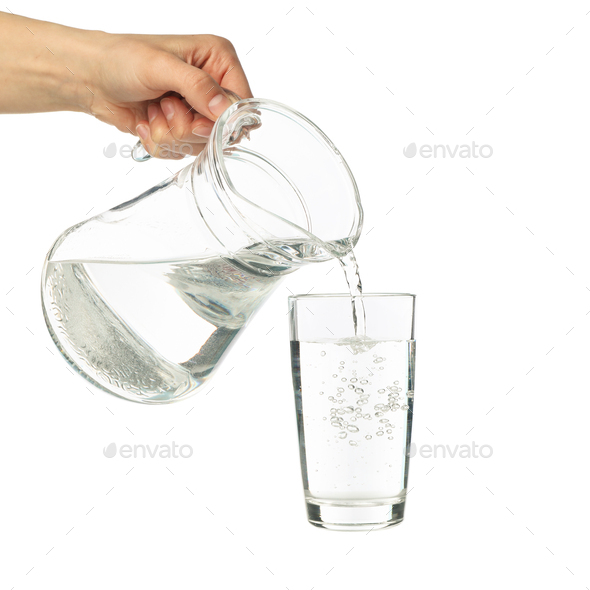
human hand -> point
(166, 88)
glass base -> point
(354, 516)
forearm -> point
(45, 66)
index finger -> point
(235, 79)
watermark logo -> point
(410, 150)
(464, 150)
(172, 451)
(124, 151)
(164, 150)
(110, 451)
(110, 151)
(472, 451)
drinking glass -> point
(354, 396)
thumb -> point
(199, 89)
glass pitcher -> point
(145, 299)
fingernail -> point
(152, 111)
(202, 131)
(143, 131)
(218, 104)
(168, 108)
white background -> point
(496, 249)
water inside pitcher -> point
(145, 299)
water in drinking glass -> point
(354, 399)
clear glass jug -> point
(145, 299)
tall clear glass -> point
(354, 397)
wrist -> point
(46, 66)
(76, 74)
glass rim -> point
(348, 295)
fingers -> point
(186, 125)
(176, 128)
(225, 66)
(216, 56)
(201, 91)
(235, 79)
(158, 140)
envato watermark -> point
(472, 451)
(172, 451)
(164, 150)
(443, 151)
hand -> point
(166, 88)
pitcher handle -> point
(140, 154)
